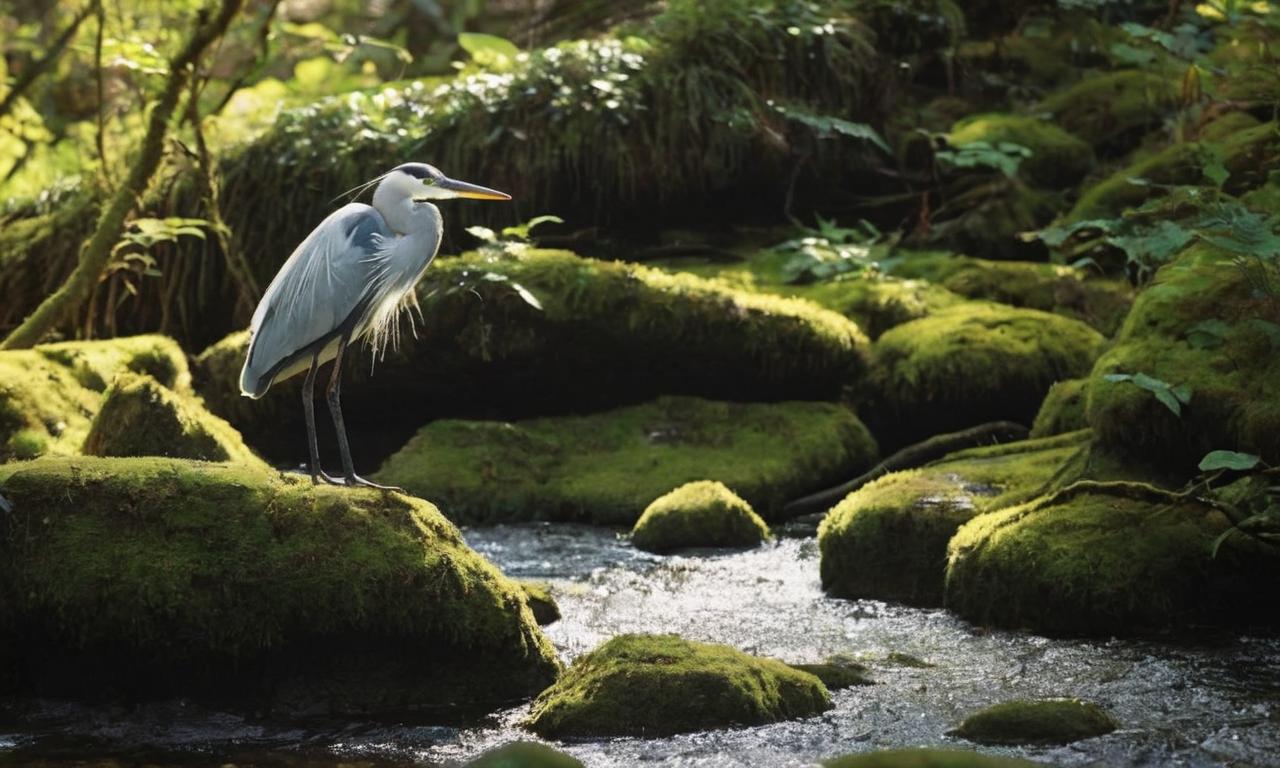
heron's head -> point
(421, 182)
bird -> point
(350, 279)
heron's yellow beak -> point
(473, 191)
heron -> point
(350, 279)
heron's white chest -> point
(397, 267)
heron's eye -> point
(429, 181)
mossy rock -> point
(140, 416)
(1109, 559)
(1067, 291)
(1058, 159)
(603, 334)
(927, 758)
(525, 754)
(704, 513)
(838, 675)
(888, 540)
(50, 394)
(605, 468)
(1044, 721)
(541, 602)
(973, 363)
(1248, 156)
(1062, 410)
(1230, 372)
(987, 217)
(141, 577)
(1113, 110)
(657, 685)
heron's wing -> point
(323, 284)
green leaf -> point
(1166, 396)
(527, 295)
(826, 126)
(488, 50)
(1213, 163)
(1208, 334)
(1215, 460)
(483, 233)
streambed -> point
(1208, 701)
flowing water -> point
(1213, 702)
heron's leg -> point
(309, 410)
(334, 396)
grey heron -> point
(351, 278)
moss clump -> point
(140, 416)
(538, 594)
(607, 467)
(986, 217)
(1062, 290)
(888, 540)
(149, 576)
(1104, 559)
(927, 758)
(49, 394)
(1062, 409)
(654, 685)
(1057, 160)
(704, 513)
(606, 334)
(525, 754)
(1049, 721)
(838, 675)
(1113, 110)
(1230, 372)
(973, 363)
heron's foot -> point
(319, 476)
(355, 481)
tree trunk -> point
(97, 252)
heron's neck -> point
(404, 216)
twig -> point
(38, 68)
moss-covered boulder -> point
(927, 758)
(838, 674)
(50, 394)
(549, 332)
(1063, 290)
(1062, 409)
(525, 754)
(607, 467)
(1044, 721)
(704, 513)
(967, 365)
(986, 216)
(544, 606)
(1107, 559)
(1058, 159)
(655, 685)
(1113, 110)
(1204, 329)
(139, 577)
(139, 416)
(888, 540)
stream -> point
(1209, 702)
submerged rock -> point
(550, 332)
(538, 594)
(50, 394)
(838, 675)
(1048, 721)
(525, 754)
(704, 513)
(927, 758)
(140, 416)
(888, 540)
(1057, 160)
(149, 577)
(656, 685)
(1062, 410)
(605, 468)
(967, 365)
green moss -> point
(1235, 404)
(1057, 159)
(607, 467)
(1102, 562)
(606, 334)
(50, 394)
(888, 540)
(139, 416)
(704, 513)
(837, 676)
(538, 594)
(986, 217)
(1248, 156)
(1046, 721)
(1114, 109)
(898, 658)
(1225, 126)
(969, 364)
(525, 754)
(1063, 290)
(654, 685)
(1062, 409)
(927, 758)
(154, 576)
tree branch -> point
(38, 68)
